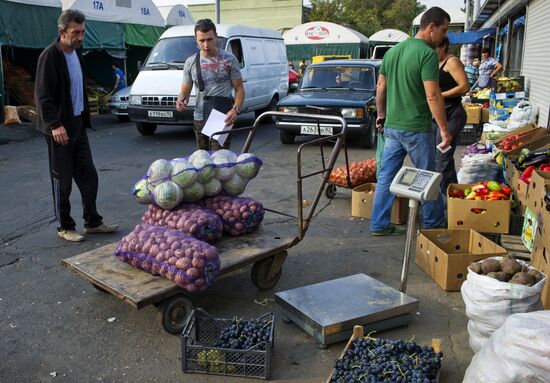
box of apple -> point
(483, 191)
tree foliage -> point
(367, 16)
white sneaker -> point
(70, 235)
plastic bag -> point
(240, 215)
(477, 168)
(188, 262)
(519, 351)
(190, 219)
(10, 116)
(489, 302)
(522, 114)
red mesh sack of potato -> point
(191, 219)
(239, 215)
(191, 264)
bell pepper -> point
(472, 195)
(497, 194)
(493, 186)
(467, 191)
(506, 190)
(482, 191)
(525, 176)
(478, 186)
(544, 167)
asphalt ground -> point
(56, 327)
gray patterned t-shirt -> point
(217, 73)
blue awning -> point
(470, 37)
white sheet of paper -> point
(216, 123)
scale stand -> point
(329, 310)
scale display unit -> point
(329, 310)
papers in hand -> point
(443, 150)
(216, 123)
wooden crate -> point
(93, 104)
(515, 247)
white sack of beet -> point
(192, 219)
(240, 215)
(190, 263)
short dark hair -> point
(445, 45)
(485, 50)
(434, 15)
(68, 16)
(205, 25)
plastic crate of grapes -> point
(367, 359)
(231, 347)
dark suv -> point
(344, 88)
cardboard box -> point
(539, 186)
(473, 113)
(540, 259)
(445, 254)
(484, 115)
(362, 201)
(481, 216)
(486, 136)
(526, 138)
(505, 100)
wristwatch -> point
(237, 109)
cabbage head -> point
(183, 173)
(168, 195)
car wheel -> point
(272, 107)
(123, 118)
(286, 137)
(368, 140)
(146, 128)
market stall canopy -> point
(36, 29)
(176, 15)
(470, 37)
(457, 17)
(389, 36)
(322, 32)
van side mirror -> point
(139, 65)
(293, 86)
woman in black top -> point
(453, 82)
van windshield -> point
(171, 53)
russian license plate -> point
(314, 129)
(123, 107)
(160, 113)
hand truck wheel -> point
(174, 313)
(260, 274)
(330, 191)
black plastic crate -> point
(199, 354)
(470, 134)
(516, 223)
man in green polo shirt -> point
(407, 97)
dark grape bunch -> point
(243, 334)
(370, 360)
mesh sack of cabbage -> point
(191, 264)
(191, 219)
(240, 215)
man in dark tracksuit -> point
(63, 116)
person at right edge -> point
(453, 82)
(407, 96)
(63, 116)
(219, 74)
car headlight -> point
(288, 109)
(352, 112)
(135, 100)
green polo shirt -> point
(406, 66)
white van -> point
(260, 52)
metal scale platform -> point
(329, 310)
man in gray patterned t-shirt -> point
(221, 75)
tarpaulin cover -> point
(142, 35)
(307, 51)
(102, 35)
(470, 37)
(26, 25)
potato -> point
(499, 275)
(475, 267)
(537, 274)
(490, 265)
(523, 278)
(510, 266)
